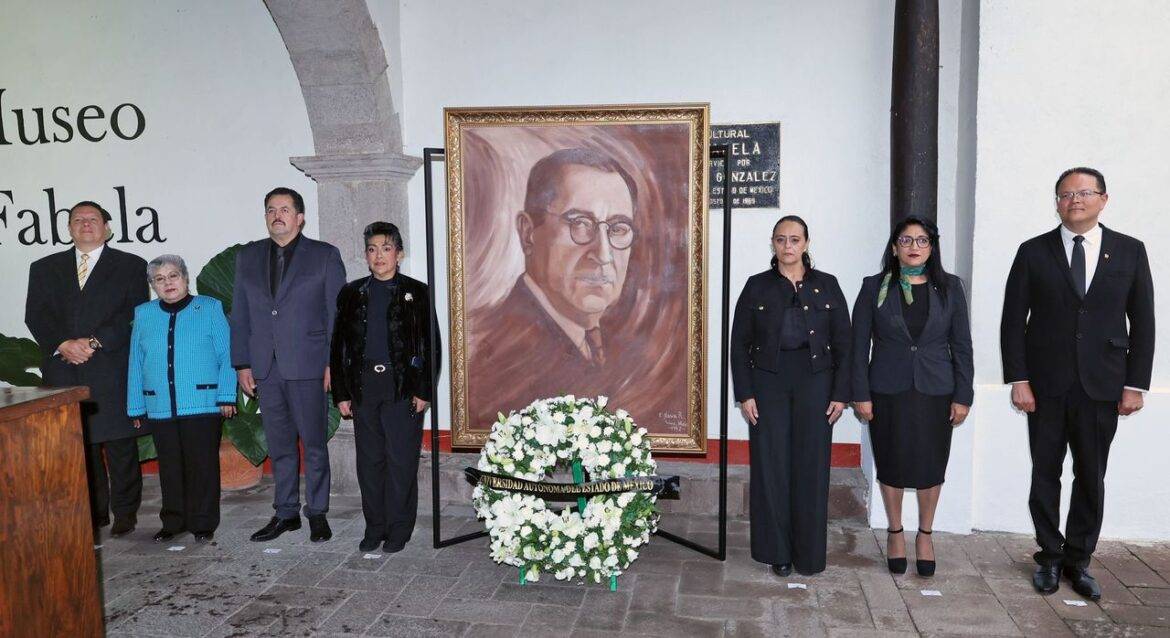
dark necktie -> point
(593, 338)
(279, 274)
(1077, 265)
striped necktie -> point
(83, 270)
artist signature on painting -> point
(675, 420)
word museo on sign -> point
(50, 226)
(125, 121)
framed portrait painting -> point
(577, 261)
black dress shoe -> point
(203, 537)
(925, 567)
(276, 527)
(164, 535)
(782, 570)
(123, 525)
(895, 565)
(369, 544)
(1083, 583)
(393, 547)
(1046, 580)
(319, 531)
(99, 523)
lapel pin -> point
(1106, 255)
(408, 296)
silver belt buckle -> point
(379, 368)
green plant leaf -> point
(17, 356)
(218, 276)
(146, 449)
(246, 433)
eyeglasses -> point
(1085, 194)
(159, 280)
(785, 240)
(583, 230)
(922, 241)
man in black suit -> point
(1074, 366)
(79, 307)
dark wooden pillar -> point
(914, 111)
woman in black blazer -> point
(789, 360)
(916, 386)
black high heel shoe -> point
(925, 567)
(896, 565)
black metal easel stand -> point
(718, 152)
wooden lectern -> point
(48, 571)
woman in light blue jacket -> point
(182, 381)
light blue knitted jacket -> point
(203, 378)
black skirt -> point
(911, 436)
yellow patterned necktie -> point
(82, 270)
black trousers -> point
(188, 472)
(790, 446)
(388, 440)
(1078, 423)
(120, 488)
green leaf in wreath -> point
(218, 276)
(18, 355)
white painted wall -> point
(822, 69)
(204, 162)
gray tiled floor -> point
(292, 587)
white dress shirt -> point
(94, 255)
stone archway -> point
(359, 167)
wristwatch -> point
(94, 344)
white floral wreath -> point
(550, 433)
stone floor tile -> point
(891, 620)
(655, 593)
(386, 583)
(481, 630)
(1155, 556)
(701, 577)
(856, 632)
(1032, 615)
(1138, 615)
(946, 583)
(421, 595)
(603, 610)
(1091, 629)
(357, 613)
(881, 592)
(540, 593)
(1091, 611)
(548, 620)
(291, 596)
(717, 607)
(798, 621)
(410, 627)
(1151, 596)
(496, 612)
(652, 623)
(310, 568)
(843, 608)
(476, 585)
(977, 614)
(1131, 571)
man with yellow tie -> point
(79, 307)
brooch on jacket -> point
(408, 297)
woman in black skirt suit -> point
(789, 361)
(917, 384)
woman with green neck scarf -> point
(914, 386)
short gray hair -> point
(166, 260)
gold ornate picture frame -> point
(577, 241)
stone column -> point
(914, 111)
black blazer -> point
(408, 331)
(759, 316)
(939, 363)
(1047, 332)
(56, 310)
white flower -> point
(591, 541)
(595, 431)
(408, 297)
(601, 401)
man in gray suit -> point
(283, 307)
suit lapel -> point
(295, 267)
(1104, 258)
(935, 316)
(98, 273)
(893, 307)
(1056, 247)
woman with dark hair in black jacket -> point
(917, 384)
(383, 378)
(789, 354)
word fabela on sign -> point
(92, 123)
(50, 225)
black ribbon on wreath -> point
(665, 487)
